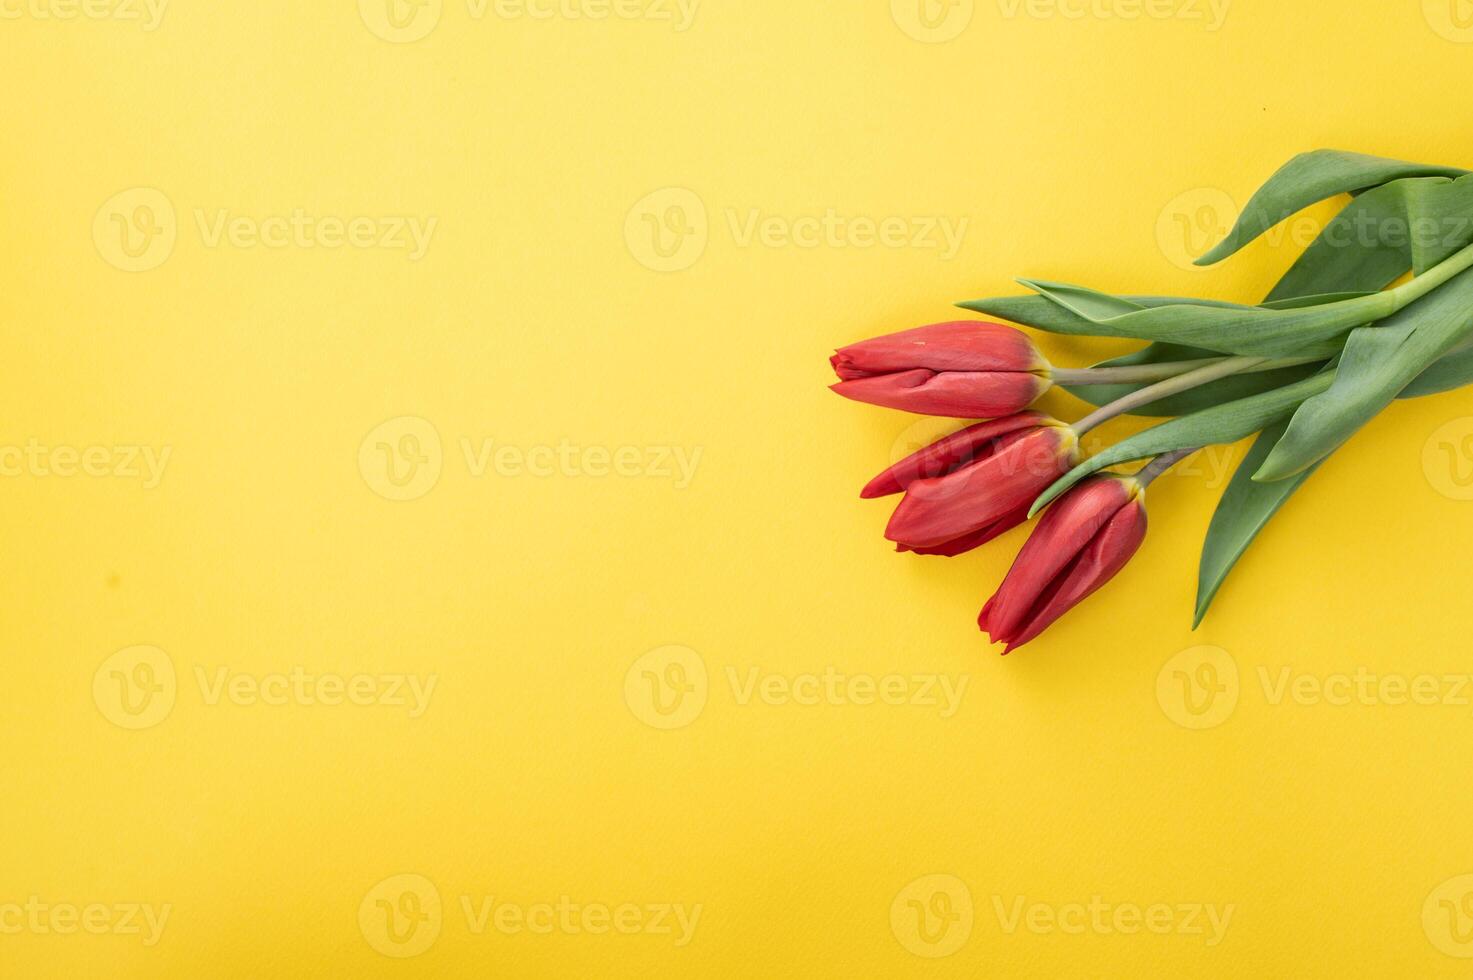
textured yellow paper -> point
(461, 365)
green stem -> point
(1125, 374)
(1171, 386)
(1350, 312)
(1148, 473)
(1409, 292)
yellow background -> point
(1073, 147)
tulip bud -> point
(1081, 543)
(949, 454)
(976, 484)
(963, 369)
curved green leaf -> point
(1409, 224)
(1041, 314)
(1316, 299)
(1232, 330)
(1308, 179)
(1245, 509)
(1250, 330)
(1344, 251)
(1454, 371)
(1377, 364)
(1218, 425)
(1439, 219)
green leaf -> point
(1409, 224)
(1454, 371)
(1343, 250)
(1227, 389)
(1245, 509)
(1377, 364)
(1041, 314)
(1439, 219)
(1250, 330)
(1317, 299)
(1231, 330)
(1308, 179)
(1218, 425)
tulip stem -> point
(1127, 373)
(1124, 374)
(1148, 473)
(1171, 386)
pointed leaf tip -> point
(1273, 470)
(1307, 179)
(1245, 509)
(1059, 488)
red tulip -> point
(964, 369)
(1081, 543)
(972, 486)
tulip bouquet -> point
(1379, 307)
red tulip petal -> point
(985, 618)
(948, 454)
(961, 345)
(1101, 561)
(938, 510)
(1063, 532)
(963, 395)
(976, 539)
